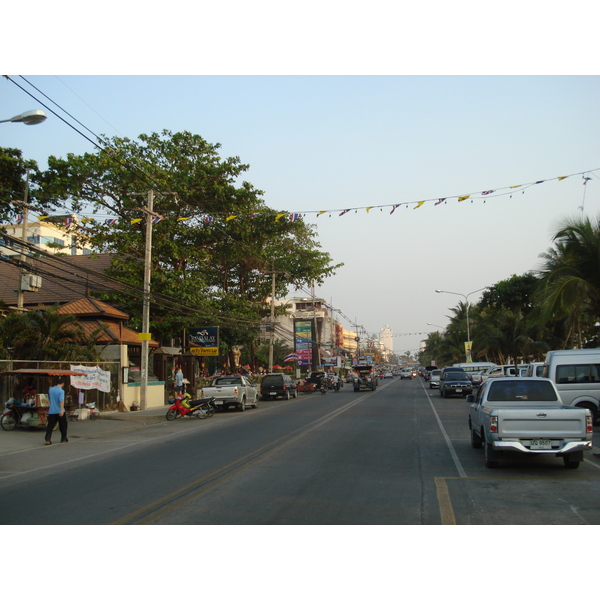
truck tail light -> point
(284, 388)
(589, 427)
(235, 391)
(494, 424)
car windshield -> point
(272, 379)
(455, 376)
(435, 373)
(522, 391)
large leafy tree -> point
(215, 250)
(515, 293)
(14, 170)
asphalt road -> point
(398, 456)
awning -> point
(49, 372)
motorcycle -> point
(184, 406)
(336, 386)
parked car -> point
(231, 390)
(456, 382)
(576, 374)
(526, 416)
(500, 371)
(278, 385)
(450, 370)
(434, 378)
(535, 369)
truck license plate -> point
(272, 393)
(218, 402)
(541, 445)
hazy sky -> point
(328, 142)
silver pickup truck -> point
(523, 414)
(229, 390)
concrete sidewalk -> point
(26, 438)
(135, 415)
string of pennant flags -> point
(295, 216)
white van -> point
(576, 374)
(474, 369)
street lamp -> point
(466, 303)
(434, 325)
(31, 117)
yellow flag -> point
(563, 177)
(515, 186)
(463, 198)
(42, 217)
(419, 204)
(279, 216)
(134, 221)
(370, 207)
(87, 220)
(183, 218)
(231, 217)
(322, 212)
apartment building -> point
(55, 236)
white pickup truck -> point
(526, 415)
(228, 390)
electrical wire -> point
(134, 170)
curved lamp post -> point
(465, 296)
(31, 117)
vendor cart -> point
(31, 410)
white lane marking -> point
(459, 468)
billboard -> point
(303, 341)
(204, 341)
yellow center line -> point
(443, 495)
(163, 506)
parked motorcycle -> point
(184, 406)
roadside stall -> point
(25, 396)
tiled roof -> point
(91, 307)
(64, 278)
(113, 333)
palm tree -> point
(570, 276)
(47, 335)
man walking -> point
(56, 412)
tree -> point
(216, 247)
(13, 177)
(46, 336)
(570, 277)
(515, 293)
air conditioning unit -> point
(30, 283)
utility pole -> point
(146, 306)
(145, 336)
(20, 291)
(272, 336)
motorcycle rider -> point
(336, 381)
